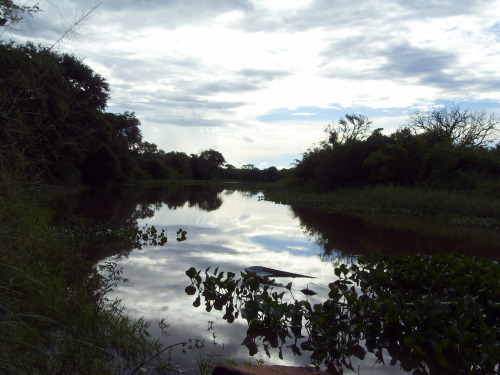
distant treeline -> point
(445, 148)
(54, 127)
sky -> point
(259, 80)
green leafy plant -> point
(55, 312)
(426, 311)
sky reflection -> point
(242, 232)
(232, 230)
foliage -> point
(462, 209)
(250, 172)
(429, 313)
(11, 13)
(55, 128)
(442, 149)
(463, 128)
(55, 315)
(212, 158)
(348, 129)
(50, 108)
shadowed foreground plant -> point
(55, 314)
(429, 313)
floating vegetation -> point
(429, 313)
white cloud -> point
(199, 74)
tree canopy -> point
(445, 148)
(349, 128)
(463, 128)
(11, 13)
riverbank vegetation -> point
(55, 315)
(443, 164)
(457, 208)
(56, 135)
(428, 314)
(445, 148)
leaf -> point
(409, 342)
(191, 273)
(190, 290)
(417, 350)
(228, 317)
(358, 351)
(295, 349)
(251, 345)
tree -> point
(352, 127)
(212, 158)
(147, 148)
(125, 130)
(50, 107)
(270, 174)
(11, 13)
(89, 87)
(463, 128)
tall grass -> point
(467, 208)
(54, 314)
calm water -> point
(231, 230)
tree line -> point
(444, 148)
(54, 126)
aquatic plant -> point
(427, 312)
(480, 209)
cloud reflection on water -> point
(241, 233)
(244, 231)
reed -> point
(54, 313)
(478, 208)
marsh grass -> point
(468, 209)
(55, 317)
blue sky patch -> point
(335, 112)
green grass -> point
(467, 209)
(54, 313)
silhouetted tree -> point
(212, 158)
(441, 149)
(11, 13)
(50, 108)
(463, 128)
(349, 128)
(207, 165)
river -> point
(231, 229)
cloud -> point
(353, 15)
(263, 74)
(409, 62)
(226, 72)
(132, 14)
(304, 113)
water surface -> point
(231, 230)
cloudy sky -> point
(258, 80)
